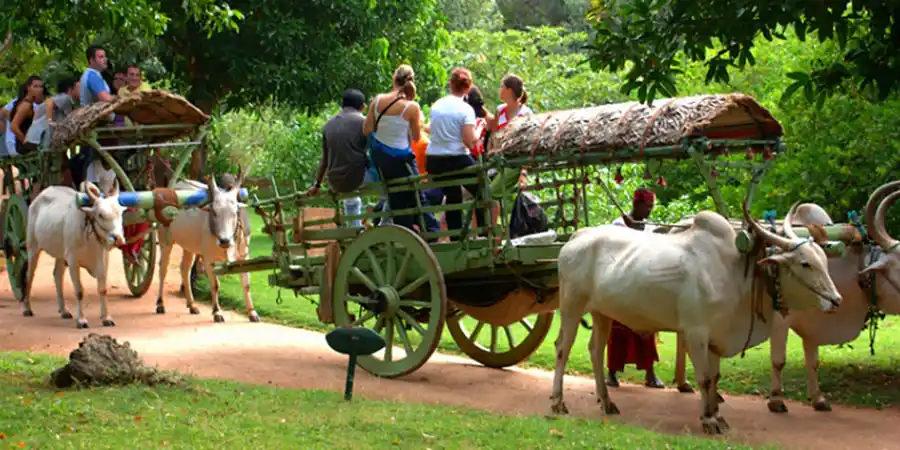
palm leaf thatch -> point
(153, 107)
(633, 125)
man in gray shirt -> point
(344, 153)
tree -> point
(521, 14)
(468, 15)
(658, 37)
(305, 54)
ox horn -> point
(788, 224)
(767, 236)
(211, 185)
(878, 229)
(872, 207)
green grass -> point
(847, 375)
(218, 414)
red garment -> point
(480, 131)
(627, 347)
(130, 232)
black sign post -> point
(353, 342)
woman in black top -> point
(30, 93)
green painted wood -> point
(389, 280)
(15, 226)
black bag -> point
(527, 216)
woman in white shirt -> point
(452, 138)
(392, 125)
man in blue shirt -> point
(93, 86)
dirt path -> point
(276, 355)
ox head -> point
(888, 262)
(224, 207)
(804, 274)
(105, 212)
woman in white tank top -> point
(392, 124)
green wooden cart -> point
(160, 127)
(496, 295)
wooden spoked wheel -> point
(15, 229)
(389, 280)
(499, 346)
(140, 275)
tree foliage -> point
(305, 54)
(464, 15)
(658, 38)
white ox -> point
(695, 283)
(855, 272)
(76, 237)
(219, 231)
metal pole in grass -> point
(353, 341)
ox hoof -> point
(719, 398)
(28, 313)
(81, 324)
(712, 426)
(218, 318)
(822, 406)
(160, 309)
(685, 388)
(109, 323)
(723, 424)
(194, 310)
(611, 409)
(65, 315)
(559, 409)
(777, 406)
(254, 317)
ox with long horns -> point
(216, 231)
(866, 274)
(695, 283)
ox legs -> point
(187, 260)
(681, 366)
(75, 275)
(59, 270)
(811, 355)
(248, 300)
(777, 354)
(101, 289)
(34, 252)
(214, 292)
(597, 348)
(705, 370)
(568, 329)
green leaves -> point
(633, 31)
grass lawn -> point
(847, 375)
(217, 414)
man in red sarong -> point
(626, 346)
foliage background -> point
(274, 73)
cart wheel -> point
(15, 229)
(389, 280)
(518, 342)
(140, 276)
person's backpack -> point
(527, 216)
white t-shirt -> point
(524, 110)
(448, 115)
(621, 222)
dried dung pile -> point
(633, 125)
(100, 360)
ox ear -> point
(878, 266)
(779, 258)
(818, 233)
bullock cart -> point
(159, 127)
(495, 293)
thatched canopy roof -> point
(632, 125)
(153, 107)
